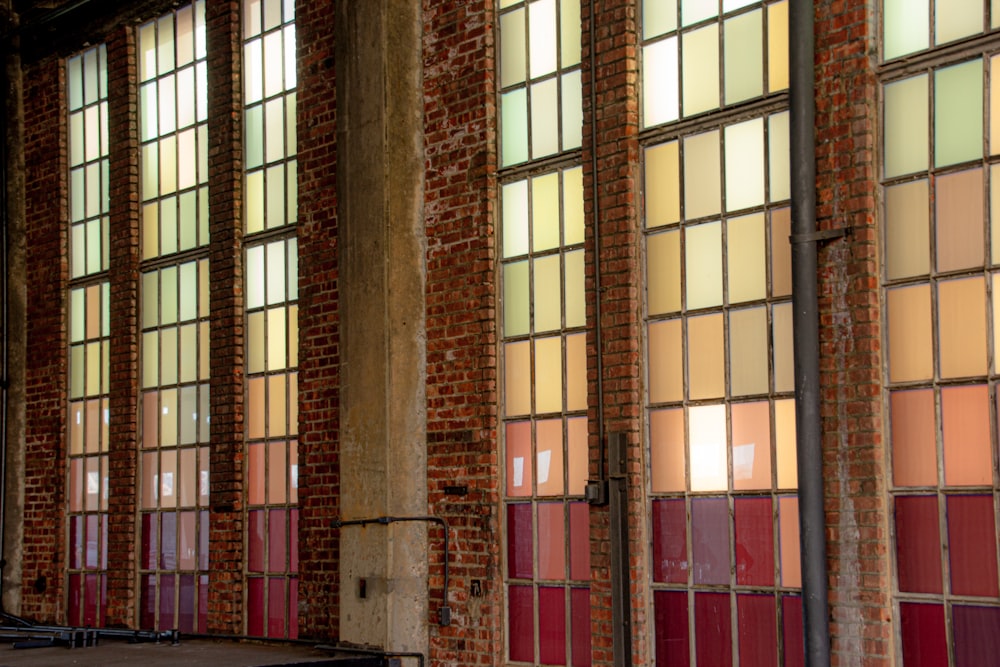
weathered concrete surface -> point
(383, 468)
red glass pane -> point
(918, 544)
(710, 540)
(579, 541)
(93, 539)
(276, 541)
(203, 604)
(293, 540)
(519, 541)
(673, 647)
(552, 625)
(168, 584)
(186, 604)
(104, 541)
(977, 635)
(754, 542)
(293, 608)
(579, 601)
(255, 539)
(921, 628)
(76, 541)
(255, 606)
(519, 459)
(972, 545)
(670, 542)
(73, 607)
(147, 601)
(713, 630)
(90, 600)
(168, 541)
(794, 645)
(758, 630)
(188, 555)
(551, 541)
(203, 540)
(522, 624)
(276, 607)
(104, 600)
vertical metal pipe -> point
(805, 304)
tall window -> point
(174, 482)
(941, 187)
(89, 332)
(720, 383)
(272, 318)
(544, 336)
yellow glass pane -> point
(746, 256)
(569, 32)
(168, 417)
(703, 265)
(660, 90)
(959, 220)
(576, 372)
(77, 373)
(277, 406)
(547, 293)
(516, 304)
(700, 69)
(576, 309)
(702, 177)
(168, 295)
(784, 439)
(188, 355)
(544, 118)
(663, 272)
(666, 362)
(744, 56)
(578, 455)
(517, 378)
(662, 185)
(693, 11)
(958, 113)
(995, 97)
(962, 327)
(906, 126)
(545, 212)
(514, 126)
(168, 356)
(779, 154)
(658, 17)
(168, 226)
(910, 333)
(707, 430)
(784, 366)
(996, 321)
(150, 359)
(957, 18)
(549, 458)
(515, 218)
(777, 46)
(666, 450)
(751, 445)
(548, 375)
(573, 219)
(906, 27)
(542, 35)
(706, 357)
(907, 230)
(748, 351)
(276, 339)
(512, 48)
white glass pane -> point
(514, 200)
(745, 164)
(291, 76)
(255, 277)
(906, 27)
(707, 438)
(660, 97)
(542, 37)
(273, 64)
(275, 273)
(693, 11)
(253, 75)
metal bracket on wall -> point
(820, 236)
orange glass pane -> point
(666, 450)
(256, 409)
(959, 220)
(519, 467)
(965, 423)
(666, 364)
(93, 438)
(256, 486)
(277, 406)
(168, 478)
(910, 333)
(751, 445)
(706, 357)
(517, 378)
(785, 444)
(576, 372)
(663, 272)
(788, 525)
(962, 327)
(907, 224)
(914, 445)
(548, 375)
(93, 311)
(579, 455)
(549, 457)
(781, 252)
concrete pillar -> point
(380, 185)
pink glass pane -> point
(74, 609)
(104, 542)
(293, 539)
(713, 631)
(918, 544)
(276, 541)
(91, 602)
(579, 601)
(255, 474)
(255, 607)
(549, 453)
(710, 540)
(788, 535)
(972, 545)
(93, 440)
(75, 541)
(977, 635)
(188, 478)
(93, 539)
(168, 583)
(673, 647)
(670, 563)
(293, 470)
(519, 459)
(551, 541)
(168, 541)
(552, 625)
(104, 599)
(754, 542)
(921, 628)
(522, 625)
(150, 541)
(92, 482)
(277, 472)
(203, 604)
(914, 448)
(275, 607)
(186, 604)
(751, 445)
(293, 608)
(203, 540)
(579, 541)
(147, 601)
(255, 539)
(579, 456)
(519, 541)
(965, 418)
(76, 485)
(758, 630)
(791, 631)
(188, 555)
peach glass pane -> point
(105, 424)
(545, 212)
(255, 411)
(293, 472)
(748, 351)
(168, 478)
(548, 375)
(75, 485)
(92, 483)
(93, 311)
(708, 448)
(168, 417)
(784, 344)
(706, 357)
(962, 327)
(551, 541)
(579, 455)
(188, 477)
(907, 230)
(76, 428)
(293, 336)
(702, 180)
(746, 254)
(703, 265)
(150, 479)
(663, 272)
(92, 441)
(910, 333)
(663, 201)
(959, 220)
(666, 450)
(293, 403)
(996, 320)
(549, 458)
(203, 476)
(666, 362)
(104, 483)
(517, 378)
(784, 441)
(995, 97)
(914, 442)
(781, 252)
(995, 206)
(965, 424)
(751, 445)
(255, 342)
(256, 487)
(276, 406)
(547, 293)
(777, 46)
(277, 472)
(788, 526)
(906, 126)
(576, 372)
(745, 164)
(700, 69)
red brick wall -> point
(850, 337)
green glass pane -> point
(94, 204)
(958, 113)
(77, 195)
(74, 77)
(255, 277)
(547, 294)
(292, 191)
(955, 19)
(745, 164)
(76, 139)
(514, 199)
(660, 90)
(545, 212)
(744, 59)
(658, 17)
(103, 370)
(544, 118)
(700, 75)
(573, 220)
(703, 265)
(275, 180)
(906, 27)
(168, 295)
(512, 48)
(150, 299)
(572, 111)
(663, 272)
(102, 71)
(204, 420)
(92, 133)
(79, 246)
(516, 304)
(76, 371)
(188, 354)
(702, 178)
(542, 37)
(570, 30)
(77, 315)
(188, 291)
(514, 126)
(168, 356)
(168, 226)
(693, 11)
(778, 155)
(746, 253)
(576, 308)
(906, 126)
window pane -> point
(906, 126)
(703, 262)
(514, 126)
(544, 118)
(788, 525)
(910, 333)
(958, 115)
(669, 523)
(512, 48)
(746, 256)
(748, 351)
(666, 364)
(957, 18)
(662, 192)
(962, 327)
(907, 230)
(781, 252)
(701, 157)
(914, 445)
(549, 460)
(745, 164)
(576, 372)
(754, 532)
(547, 293)
(906, 26)
(542, 37)
(784, 344)
(751, 445)
(710, 541)
(785, 443)
(551, 541)
(576, 308)
(918, 544)
(959, 216)
(548, 375)
(708, 448)
(922, 633)
(519, 459)
(545, 212)
(972, 545)
(700, 69)
(517, 378)
(777, 46)
(660, 96)
(663, 279)
(965, 424)
(579, 455)
(706, 352)
(744, 65)
(515, 218)
(658, 17)
(516, 303)
(666, 450)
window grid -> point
(89, 333)
(724, 511)
(912, 26)
(272, 317)
(941, 282)
(174, 310)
